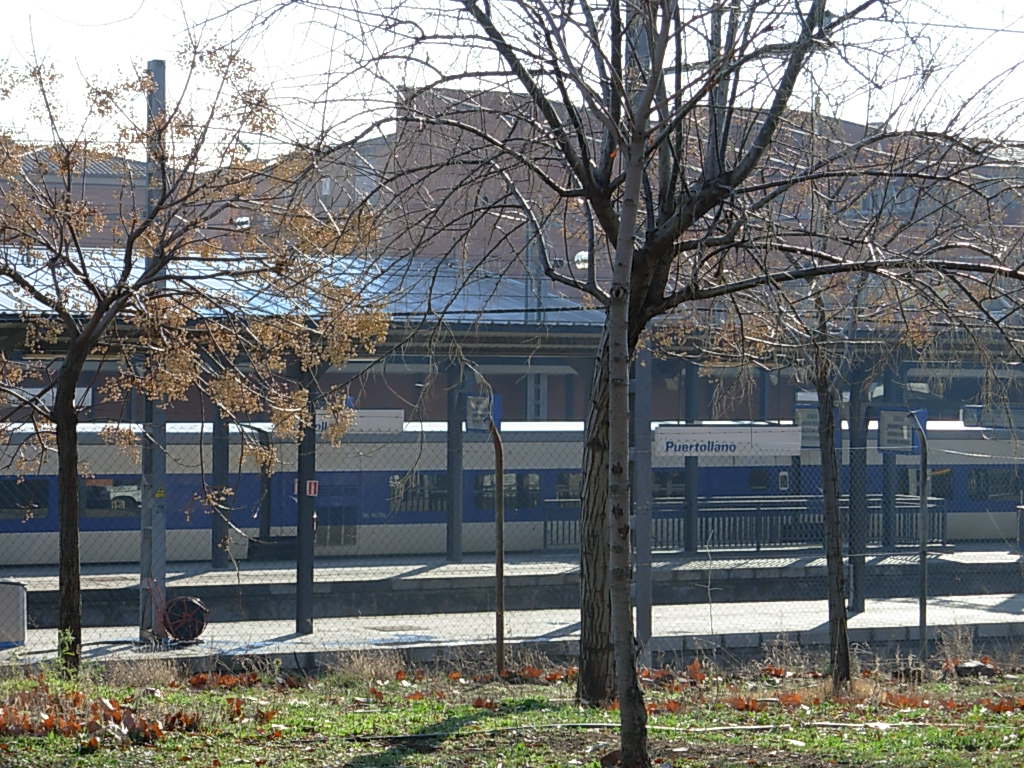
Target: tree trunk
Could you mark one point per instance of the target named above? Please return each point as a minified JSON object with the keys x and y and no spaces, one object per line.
{"x":839,"y":649}
{"x":632,"y":713}
{"x":69,"y":625}
{"x":596,"y":683}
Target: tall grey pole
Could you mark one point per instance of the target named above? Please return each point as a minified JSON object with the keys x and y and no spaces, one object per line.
{"x":764,"y":382}
{"x":499,"y":549}
{"x":153,"y":518}
{"x":266,"y":492}
{"x":922,"y":539}
{"x":219,"y":524}
{"x":857,"y":505}
{"x":888,"y":473}
{"x":690,"y":464}
{"x":306,"y":473}
{"x":456,"y":407}
{"x":642,"y":501}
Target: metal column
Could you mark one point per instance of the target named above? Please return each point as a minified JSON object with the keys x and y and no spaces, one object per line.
{"x":306,"y":473}
{"x":858,"y":491}
{"x":153,"y":513}
{"x":219,"y":528}
{"x":690,"y":519}
{"x":266,"y":492}
{"x":456,"y":415}
{"x":888,"y":474}
{"x":764,"y":381}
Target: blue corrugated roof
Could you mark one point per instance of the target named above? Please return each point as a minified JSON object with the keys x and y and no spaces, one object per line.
{"x":410,"y":288}
{"x":460,"y":292}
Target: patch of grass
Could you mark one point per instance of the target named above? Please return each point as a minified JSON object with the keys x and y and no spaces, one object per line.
{"x":373,"y":713}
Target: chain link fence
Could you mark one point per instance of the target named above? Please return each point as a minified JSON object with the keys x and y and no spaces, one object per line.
{"x":737,"y":557}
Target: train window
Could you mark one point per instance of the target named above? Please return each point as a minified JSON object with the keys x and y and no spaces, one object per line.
{"x":760,"y":479}
{"x":417,"y":492}
{"x":484,"y":495}
{"x":105,"y":497}
{"x":996,"y":483}
{"x":529,"y":489}
{"x":669,"y":483}
{"x":24,"y":498}
{"x":336,"y":526}
{"x":942,"y":482}
{"x":568,"y":486}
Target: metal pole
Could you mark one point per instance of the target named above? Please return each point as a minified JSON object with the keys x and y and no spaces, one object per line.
{"x":642,"y":501}
{"x":306,"y":473}
{"x":888,"y":474}
{"x":690,"y":464}
{"x":219,"y":528}
{"x":266,"y":492}
{"x":922,"y":537}
{"x":499,"y":549}
{"x":456,"y":408}
{"x":858,"y":492}
{"x":762,"y":404}
{"x":153,"y":518}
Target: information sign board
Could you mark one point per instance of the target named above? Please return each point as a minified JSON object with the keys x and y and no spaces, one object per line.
{"x":808,"y":419}
{"x":898,"y":431}
{"x":481,"y":410}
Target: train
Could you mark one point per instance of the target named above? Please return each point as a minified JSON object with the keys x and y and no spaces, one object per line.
{"x":386,"y":493}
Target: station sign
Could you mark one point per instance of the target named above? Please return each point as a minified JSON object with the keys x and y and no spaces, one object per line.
{"x":807,"y":415}
{"x":808,"y":420}
{"x":481,"y":410}
{"x":721,"y":440}
{"x":898,"y":429}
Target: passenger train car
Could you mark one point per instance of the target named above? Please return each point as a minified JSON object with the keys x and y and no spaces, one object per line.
{"x":386,"y":493}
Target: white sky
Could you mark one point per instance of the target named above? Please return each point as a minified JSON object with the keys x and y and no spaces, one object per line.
{"x":102,"y":38}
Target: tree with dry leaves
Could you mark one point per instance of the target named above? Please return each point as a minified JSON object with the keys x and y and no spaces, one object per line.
{"x":202,"y":268}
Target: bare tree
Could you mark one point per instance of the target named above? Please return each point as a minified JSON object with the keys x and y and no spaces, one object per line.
{"x":661,"y":138}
